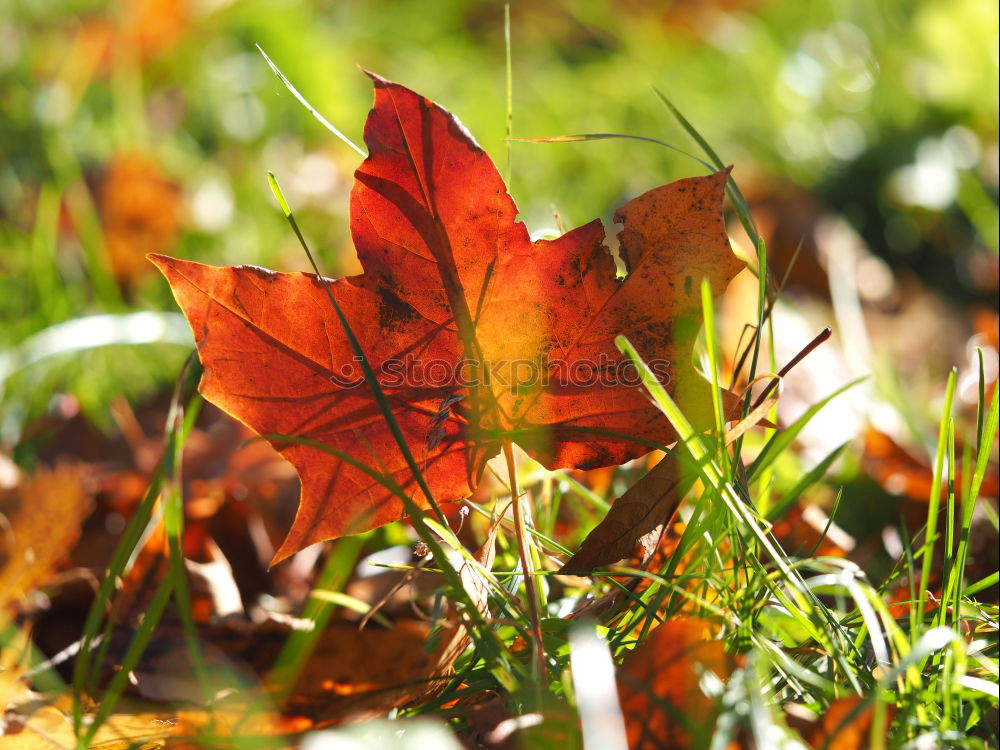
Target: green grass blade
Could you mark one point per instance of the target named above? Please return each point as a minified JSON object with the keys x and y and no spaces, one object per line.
{"x":740,"y":203}
{"x":805,"y":601}
{"x":829,"y":522}
{"x":582,"y":137}
{"x":711,"y":343}
{"x":763,"y":311}
{"x":957,"y":579}
{"x":982,"y":584}
{"x":173,"y":520}
{"x":990,"y":425}
{"x":86,"y":667}
{"x":808,"y":480}
{"x":34,"y":663}
{"x":340,"y":599}
{"x":79,"y":204}
{"x":988,"y":422}
{"x":781,"y":440}
{"x":949,"y":530}
{"x":583,"y":491}
{"x":84,"y":662}
{"x":510,"y":95}
{"x":981,"y":402}
{"x":136,"y":647}
{"x":311,"y":109}
{"x":930,"y":535}
{"x":691,"y":130}
{"x":50,"y":288}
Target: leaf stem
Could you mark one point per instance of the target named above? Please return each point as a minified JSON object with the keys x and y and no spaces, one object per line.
{"x":538,"y":649}
{"x":806,"y":350}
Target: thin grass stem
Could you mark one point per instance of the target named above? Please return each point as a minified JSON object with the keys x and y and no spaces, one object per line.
{"x":530,"y":589}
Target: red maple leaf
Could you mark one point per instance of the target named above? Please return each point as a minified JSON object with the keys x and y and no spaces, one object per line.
{"x":476,"y":333}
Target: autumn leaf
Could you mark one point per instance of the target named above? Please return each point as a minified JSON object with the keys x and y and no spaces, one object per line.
{"x":659,"y":685}
{"x":641,"y":511}
{"x":145,"y":28}
{"x":806,"y":531}
{"x":637,"y":518}
{"x":846,"y":724}
{"x":901,"y":473}
{"x":34,"y":546}
{"x":49,"y":727}
{"x":476,"y":334}
{"x":140,"y":213}
{"x":372,"y":670}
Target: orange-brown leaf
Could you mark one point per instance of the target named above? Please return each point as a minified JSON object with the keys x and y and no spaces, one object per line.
{"x":476,"y":333}
{"x":34,"y":544}
{"x":363,"y":672}
{"x":140,"y":213}
{"x":373,"y":670}
{"x":901,"y":473}
{"x":658,"y":685}
{"x":844,"y":725}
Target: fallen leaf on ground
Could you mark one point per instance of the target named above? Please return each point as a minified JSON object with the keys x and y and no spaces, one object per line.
{"x":806,"y":531}
{"x":355,"y":673}
{"x":476,"y":333}
{"x":659,"y":686}
{"x":902,"y":473}
{"x":642,"y":510}
{"x":145,"y":29}
{"x":48,"y":728}
{"x":32,"y":545}
{"x":844,"y":725}
{"x":362,"y":673}
{"x":140,"y":213}
{"x":234,"y":729}
{"x":484,"y":712}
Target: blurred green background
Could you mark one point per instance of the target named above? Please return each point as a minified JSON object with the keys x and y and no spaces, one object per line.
{"x":142,"y":126}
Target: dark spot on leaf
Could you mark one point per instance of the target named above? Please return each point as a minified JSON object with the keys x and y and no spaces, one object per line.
{"x":394,"y":314}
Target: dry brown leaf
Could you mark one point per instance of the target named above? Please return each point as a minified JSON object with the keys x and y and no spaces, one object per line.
{"x":642,"y":510}
{"x":662,"y":701}
{"x":649,"y":554}
{"x":806,"y":531}
{"x":197,"y":730}
{"x":484,"y":713}
{"x":355,"y":673}
{"x":638,"y":516}
{"x":144,"y":28}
